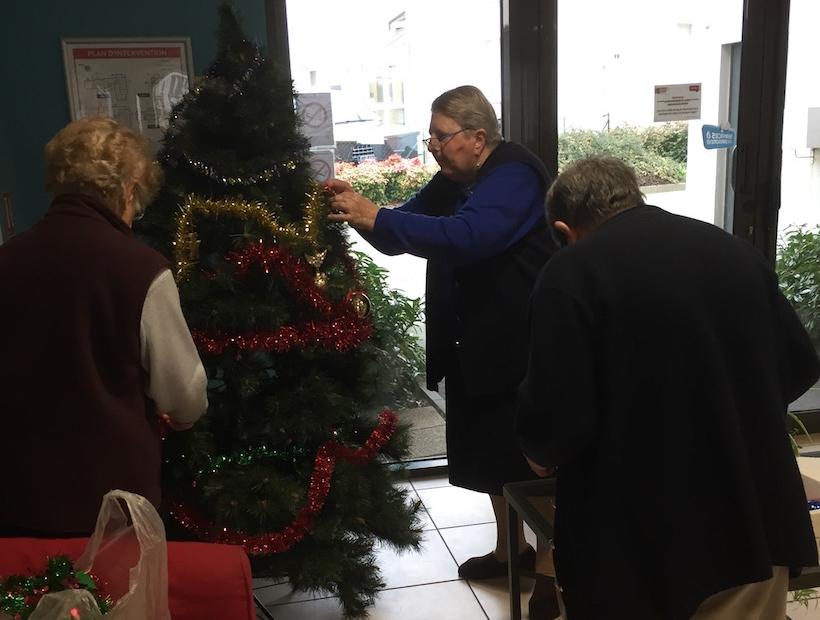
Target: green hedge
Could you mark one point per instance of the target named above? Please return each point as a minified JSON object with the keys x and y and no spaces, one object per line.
{"x":669,"y":140}
{"x":798,"y":268}
{"x":658,"y":154}
{"x":387,"y":182}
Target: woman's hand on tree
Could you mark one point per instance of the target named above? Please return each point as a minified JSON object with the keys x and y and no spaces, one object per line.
{"x":351,"y":207}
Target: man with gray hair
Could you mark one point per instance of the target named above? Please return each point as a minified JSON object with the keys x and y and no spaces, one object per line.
{"x":662,"y":360}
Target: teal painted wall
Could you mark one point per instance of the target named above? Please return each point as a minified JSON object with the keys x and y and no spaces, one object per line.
{"x":33,"y":99}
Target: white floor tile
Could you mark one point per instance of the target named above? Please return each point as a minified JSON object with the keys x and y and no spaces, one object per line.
{"x":469,"y":541}
{"x":452,"y":600}
{"x":430,"y":482}
{"x":494,"y":597}
{"x":263,"y":582}
{"x":317,"y":609}
{"x":796,"y":611}
{"x":282,"y":593}
{"x":454,"y":506}
{"x":432,"y":564}
{"x":426,"y":521}
{"x":424,"y":516}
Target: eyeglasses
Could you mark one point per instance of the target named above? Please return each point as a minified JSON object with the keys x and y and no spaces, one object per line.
{"x":442,"y":139}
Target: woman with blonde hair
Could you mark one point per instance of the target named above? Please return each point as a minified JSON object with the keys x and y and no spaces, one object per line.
{"x":480,"y":224}
{"x":99,"y":158}
{"x":100,"y":351}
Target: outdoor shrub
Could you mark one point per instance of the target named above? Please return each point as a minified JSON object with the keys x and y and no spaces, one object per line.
{"x":388,"y":182}
{"x":627,"y":144}
{"x":798,"y":267}
{"x":399,"y":352}
{"x":670,"y":140}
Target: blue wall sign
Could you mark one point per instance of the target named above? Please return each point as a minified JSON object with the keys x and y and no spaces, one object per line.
{"x":716,"y":138}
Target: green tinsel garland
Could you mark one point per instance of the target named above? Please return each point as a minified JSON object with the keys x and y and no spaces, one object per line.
{"x":20,"y":594}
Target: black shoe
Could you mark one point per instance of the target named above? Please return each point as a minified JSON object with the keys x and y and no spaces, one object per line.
{"x":487,"y":566}
{"x":544,"y":599}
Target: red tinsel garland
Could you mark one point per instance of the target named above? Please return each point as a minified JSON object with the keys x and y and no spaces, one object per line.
{"x":296,"y":274}
{"x":341,"y":334}
{"x":324,"y":464}
{"x":342,"y":331}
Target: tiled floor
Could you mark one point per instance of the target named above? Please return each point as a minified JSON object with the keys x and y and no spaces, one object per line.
{"x":458,"y":524}
{"x":810,"y":611}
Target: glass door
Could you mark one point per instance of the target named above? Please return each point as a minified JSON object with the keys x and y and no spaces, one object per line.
{"x":798,"y":227}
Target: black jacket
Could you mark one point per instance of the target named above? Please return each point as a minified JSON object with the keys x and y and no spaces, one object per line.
{"x":663,"y":358}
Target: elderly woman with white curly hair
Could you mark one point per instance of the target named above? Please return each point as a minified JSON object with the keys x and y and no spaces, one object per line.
{"x":99,"y":351}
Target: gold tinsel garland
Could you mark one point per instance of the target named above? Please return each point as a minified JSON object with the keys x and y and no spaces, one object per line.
{"x":186,"y":243}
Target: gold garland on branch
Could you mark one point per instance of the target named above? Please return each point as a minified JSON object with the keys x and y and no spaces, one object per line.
{"x":186,"y":243}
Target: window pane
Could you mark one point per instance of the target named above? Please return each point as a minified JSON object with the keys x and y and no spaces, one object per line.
{"x":611,"y":58}
{"x":798,"y":259}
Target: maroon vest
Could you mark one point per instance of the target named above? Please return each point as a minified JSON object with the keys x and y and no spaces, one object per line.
{"x":73,"y":412}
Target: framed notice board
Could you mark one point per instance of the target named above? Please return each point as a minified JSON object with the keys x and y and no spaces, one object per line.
{"x":135,"y":81}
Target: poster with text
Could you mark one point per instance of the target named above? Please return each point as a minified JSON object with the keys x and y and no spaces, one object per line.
{"x":134,"y":81}
{"x":677,"y":102}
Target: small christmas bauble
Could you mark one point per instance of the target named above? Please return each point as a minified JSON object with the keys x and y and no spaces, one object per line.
{"x":361,"y":304}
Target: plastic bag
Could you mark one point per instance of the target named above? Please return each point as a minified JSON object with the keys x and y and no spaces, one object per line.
{"x":68,"y":605}
{"x":129,"y":556}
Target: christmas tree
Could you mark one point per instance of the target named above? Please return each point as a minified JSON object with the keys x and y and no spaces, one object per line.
{"x":291,"y":459}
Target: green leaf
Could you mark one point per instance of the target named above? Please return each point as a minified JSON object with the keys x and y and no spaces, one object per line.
{"x":85,"y":580}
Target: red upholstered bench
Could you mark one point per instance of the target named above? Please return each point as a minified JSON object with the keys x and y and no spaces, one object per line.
{"x":204,"y":580}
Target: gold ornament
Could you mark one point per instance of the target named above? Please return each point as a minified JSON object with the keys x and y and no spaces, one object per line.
{"x":361,"y":304}
{"x":316,"y":260}
{"x":320,"y":280}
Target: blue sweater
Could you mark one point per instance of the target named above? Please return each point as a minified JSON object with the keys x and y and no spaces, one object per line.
{"x":485,"y":245}
{"x":490,"y":217}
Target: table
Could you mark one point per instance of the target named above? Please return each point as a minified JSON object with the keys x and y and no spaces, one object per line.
{"x":517,"y":495}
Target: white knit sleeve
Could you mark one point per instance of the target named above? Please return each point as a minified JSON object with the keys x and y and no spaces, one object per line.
{"x":176,"y":378}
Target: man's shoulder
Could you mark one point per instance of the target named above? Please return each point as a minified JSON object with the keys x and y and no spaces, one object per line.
{"x":564,"y":267}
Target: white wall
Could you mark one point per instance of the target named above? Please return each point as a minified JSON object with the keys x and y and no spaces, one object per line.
{"x":800,"y":195}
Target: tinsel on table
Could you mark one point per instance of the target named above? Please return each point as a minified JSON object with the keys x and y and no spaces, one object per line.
{"x":20,"y":594}
{"x":328,"y":454}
